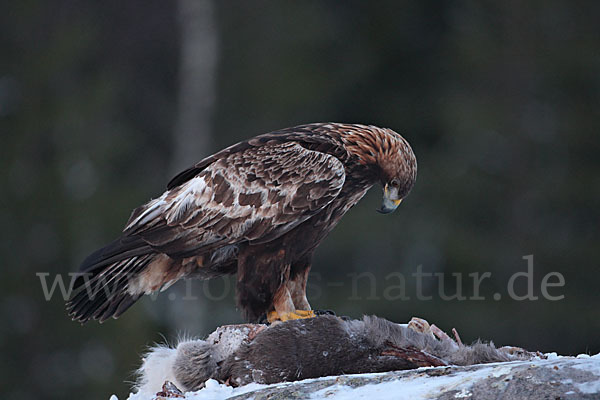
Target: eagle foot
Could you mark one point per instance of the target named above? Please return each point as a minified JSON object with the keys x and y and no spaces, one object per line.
{"x":274,"y":316}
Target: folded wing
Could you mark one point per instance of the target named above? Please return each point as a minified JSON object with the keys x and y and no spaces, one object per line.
{"x":254,"y":195}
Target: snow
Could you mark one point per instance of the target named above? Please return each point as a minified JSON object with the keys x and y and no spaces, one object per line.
{"x":412,"y":387}
{"x":594,"y":368}
{"x":213,"y":390}
{"x":407,"y":386}
{"x":589,"y":387}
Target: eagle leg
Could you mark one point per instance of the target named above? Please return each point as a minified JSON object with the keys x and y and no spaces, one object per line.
{"x":285,"y":309}
{"x":296,"y":286}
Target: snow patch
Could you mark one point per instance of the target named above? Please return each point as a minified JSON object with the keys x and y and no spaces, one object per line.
{"x":594,"y":368}
{"x":464,"y":393}
{"x":589,"y":387}
{"x":213,"y":390}
{"x":418,"y":386}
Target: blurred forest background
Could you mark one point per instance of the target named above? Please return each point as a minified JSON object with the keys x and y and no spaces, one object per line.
{"x":102,"y":102}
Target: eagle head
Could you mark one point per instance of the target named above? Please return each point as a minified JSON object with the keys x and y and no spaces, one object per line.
{"x":389,"y":155}
{"x":398,"y":171}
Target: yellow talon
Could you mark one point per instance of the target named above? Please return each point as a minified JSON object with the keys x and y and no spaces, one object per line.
{"x":273,"y":316}
{"x":304,"y":314}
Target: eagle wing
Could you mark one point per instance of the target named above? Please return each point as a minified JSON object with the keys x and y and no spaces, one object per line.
{"x":255,"y":195}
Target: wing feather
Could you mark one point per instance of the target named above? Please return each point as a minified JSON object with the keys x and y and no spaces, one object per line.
{"x":256,"y":194}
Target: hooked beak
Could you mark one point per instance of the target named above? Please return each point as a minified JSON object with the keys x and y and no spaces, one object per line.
{"x":389,"y":204}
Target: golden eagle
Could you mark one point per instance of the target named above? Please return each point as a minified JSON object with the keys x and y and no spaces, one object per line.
{"x":258,"y":208}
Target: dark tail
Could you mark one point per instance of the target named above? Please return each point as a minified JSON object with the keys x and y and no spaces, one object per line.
{"x":100,"y":292}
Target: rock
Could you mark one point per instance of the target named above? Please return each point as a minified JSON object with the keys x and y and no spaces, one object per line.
{"x":553,"y":378}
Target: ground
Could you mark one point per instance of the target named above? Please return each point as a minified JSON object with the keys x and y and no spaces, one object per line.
{"x":553,"y":378}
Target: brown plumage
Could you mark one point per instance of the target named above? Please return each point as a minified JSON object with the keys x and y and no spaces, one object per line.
{"x":258,"y":208}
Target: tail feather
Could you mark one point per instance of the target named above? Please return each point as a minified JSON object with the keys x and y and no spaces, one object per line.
{"x":101,"y":291}
{"x":121,"y":249}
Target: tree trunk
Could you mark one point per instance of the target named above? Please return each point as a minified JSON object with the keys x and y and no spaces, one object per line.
{"x":197,"y":81}
{"x":192,"y":136}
